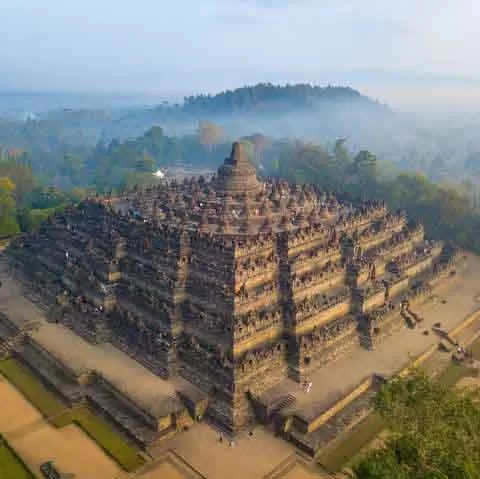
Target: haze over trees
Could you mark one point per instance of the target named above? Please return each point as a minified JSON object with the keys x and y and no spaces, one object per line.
{"x":444,"y":148}
{"x":74,"y":151}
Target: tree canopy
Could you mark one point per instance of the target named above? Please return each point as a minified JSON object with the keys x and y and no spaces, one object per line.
{"x":434,"y":432}
{"x":8,"y":223}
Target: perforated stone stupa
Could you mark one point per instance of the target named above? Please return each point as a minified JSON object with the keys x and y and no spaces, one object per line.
{"x":234,"y":284}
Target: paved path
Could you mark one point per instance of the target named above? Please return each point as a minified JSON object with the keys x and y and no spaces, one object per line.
{"x":250,"y":457}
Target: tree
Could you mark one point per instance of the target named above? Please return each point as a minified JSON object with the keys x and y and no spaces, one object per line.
{"x":366,"y":164}
{"x":365,"y":167}
{"x":8,"y":222}
{"x":72,"y":168}
{"x":154,"y":141}
{"x":259,"y":143}
{"x":210,"y":135}
{"x":145,"y":163}
{"x":20,"y":173}
{"x":434,"y":432}
{"x":340,"y":152}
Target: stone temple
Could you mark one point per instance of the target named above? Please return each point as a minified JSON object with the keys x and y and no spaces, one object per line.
{"x":235,"y":285}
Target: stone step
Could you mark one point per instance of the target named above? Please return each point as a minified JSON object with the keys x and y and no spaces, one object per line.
{"x":4,"y":350}
{"x":156,"y":367}
{"x":123,"y":416}
{"x":332,"y":421}
{"x":288,"y":401}
{"x":51,"y":374}
{"x":344,"y":420}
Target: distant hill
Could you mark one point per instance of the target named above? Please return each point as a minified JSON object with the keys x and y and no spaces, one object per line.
{"x":301,"y":110}
{"x":233,"y":109}
{"x":310,"y":113}
{"x":266,"y":96}
{"x":280,"y":111}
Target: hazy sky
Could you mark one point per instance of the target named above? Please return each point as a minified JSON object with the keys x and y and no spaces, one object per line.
{"x":407,"y":52}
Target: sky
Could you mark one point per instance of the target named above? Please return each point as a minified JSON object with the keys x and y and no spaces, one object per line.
{"x":412,"y":54}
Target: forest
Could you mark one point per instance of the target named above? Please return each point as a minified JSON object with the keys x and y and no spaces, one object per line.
{"x":30,"y":187}
{"x":444,"y":147}
{"x":59,"y":156}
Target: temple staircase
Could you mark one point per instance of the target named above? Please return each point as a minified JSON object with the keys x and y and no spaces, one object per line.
{"x":114,"y":409}
{"x":51,"y":373}
{"x":268,"y":406}
{"x":313,"y":431}
{"x":8,"y":345}
{"x":288,"y":401}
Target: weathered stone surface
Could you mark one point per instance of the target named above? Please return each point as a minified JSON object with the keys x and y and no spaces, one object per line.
{"x":233,"y":284}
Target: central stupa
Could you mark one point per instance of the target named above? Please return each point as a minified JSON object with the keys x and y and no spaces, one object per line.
{"x":237,"y":175}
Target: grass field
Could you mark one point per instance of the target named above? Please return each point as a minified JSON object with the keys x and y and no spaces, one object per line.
{"x":52,"y":408}
{"x":24,"y":380}
{"x":335,"y":458}
{"x":126,"y":455}
{"x":11,"y":466}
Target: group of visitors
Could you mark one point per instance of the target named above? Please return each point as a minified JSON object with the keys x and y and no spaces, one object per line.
{"x":231,"y":441}
{"x":307,"y":386}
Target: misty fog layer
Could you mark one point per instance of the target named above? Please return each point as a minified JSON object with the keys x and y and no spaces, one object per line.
{"x":442,"y":145}
{"x":445,"y":146}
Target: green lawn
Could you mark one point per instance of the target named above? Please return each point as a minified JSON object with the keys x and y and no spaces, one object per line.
{"x":60,"y":415}
{"x":33,"y":390}
{"x":335,"y":458}
{"x":127,"y":456}
{"x":11,"y":466}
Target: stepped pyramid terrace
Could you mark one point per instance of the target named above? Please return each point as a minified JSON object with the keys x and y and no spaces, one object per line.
{"x":231,"y":297}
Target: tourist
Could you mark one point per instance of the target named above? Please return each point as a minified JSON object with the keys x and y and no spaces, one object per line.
{"x":220,"y":436}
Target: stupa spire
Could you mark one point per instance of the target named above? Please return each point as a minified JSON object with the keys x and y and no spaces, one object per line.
{"x":237,"y":175}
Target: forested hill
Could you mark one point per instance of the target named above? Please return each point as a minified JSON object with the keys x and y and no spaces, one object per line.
{"x":290,"y":111}
{"x":266,"y":96}
{"x":443,"y":148}
{"x":303,"y":110}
